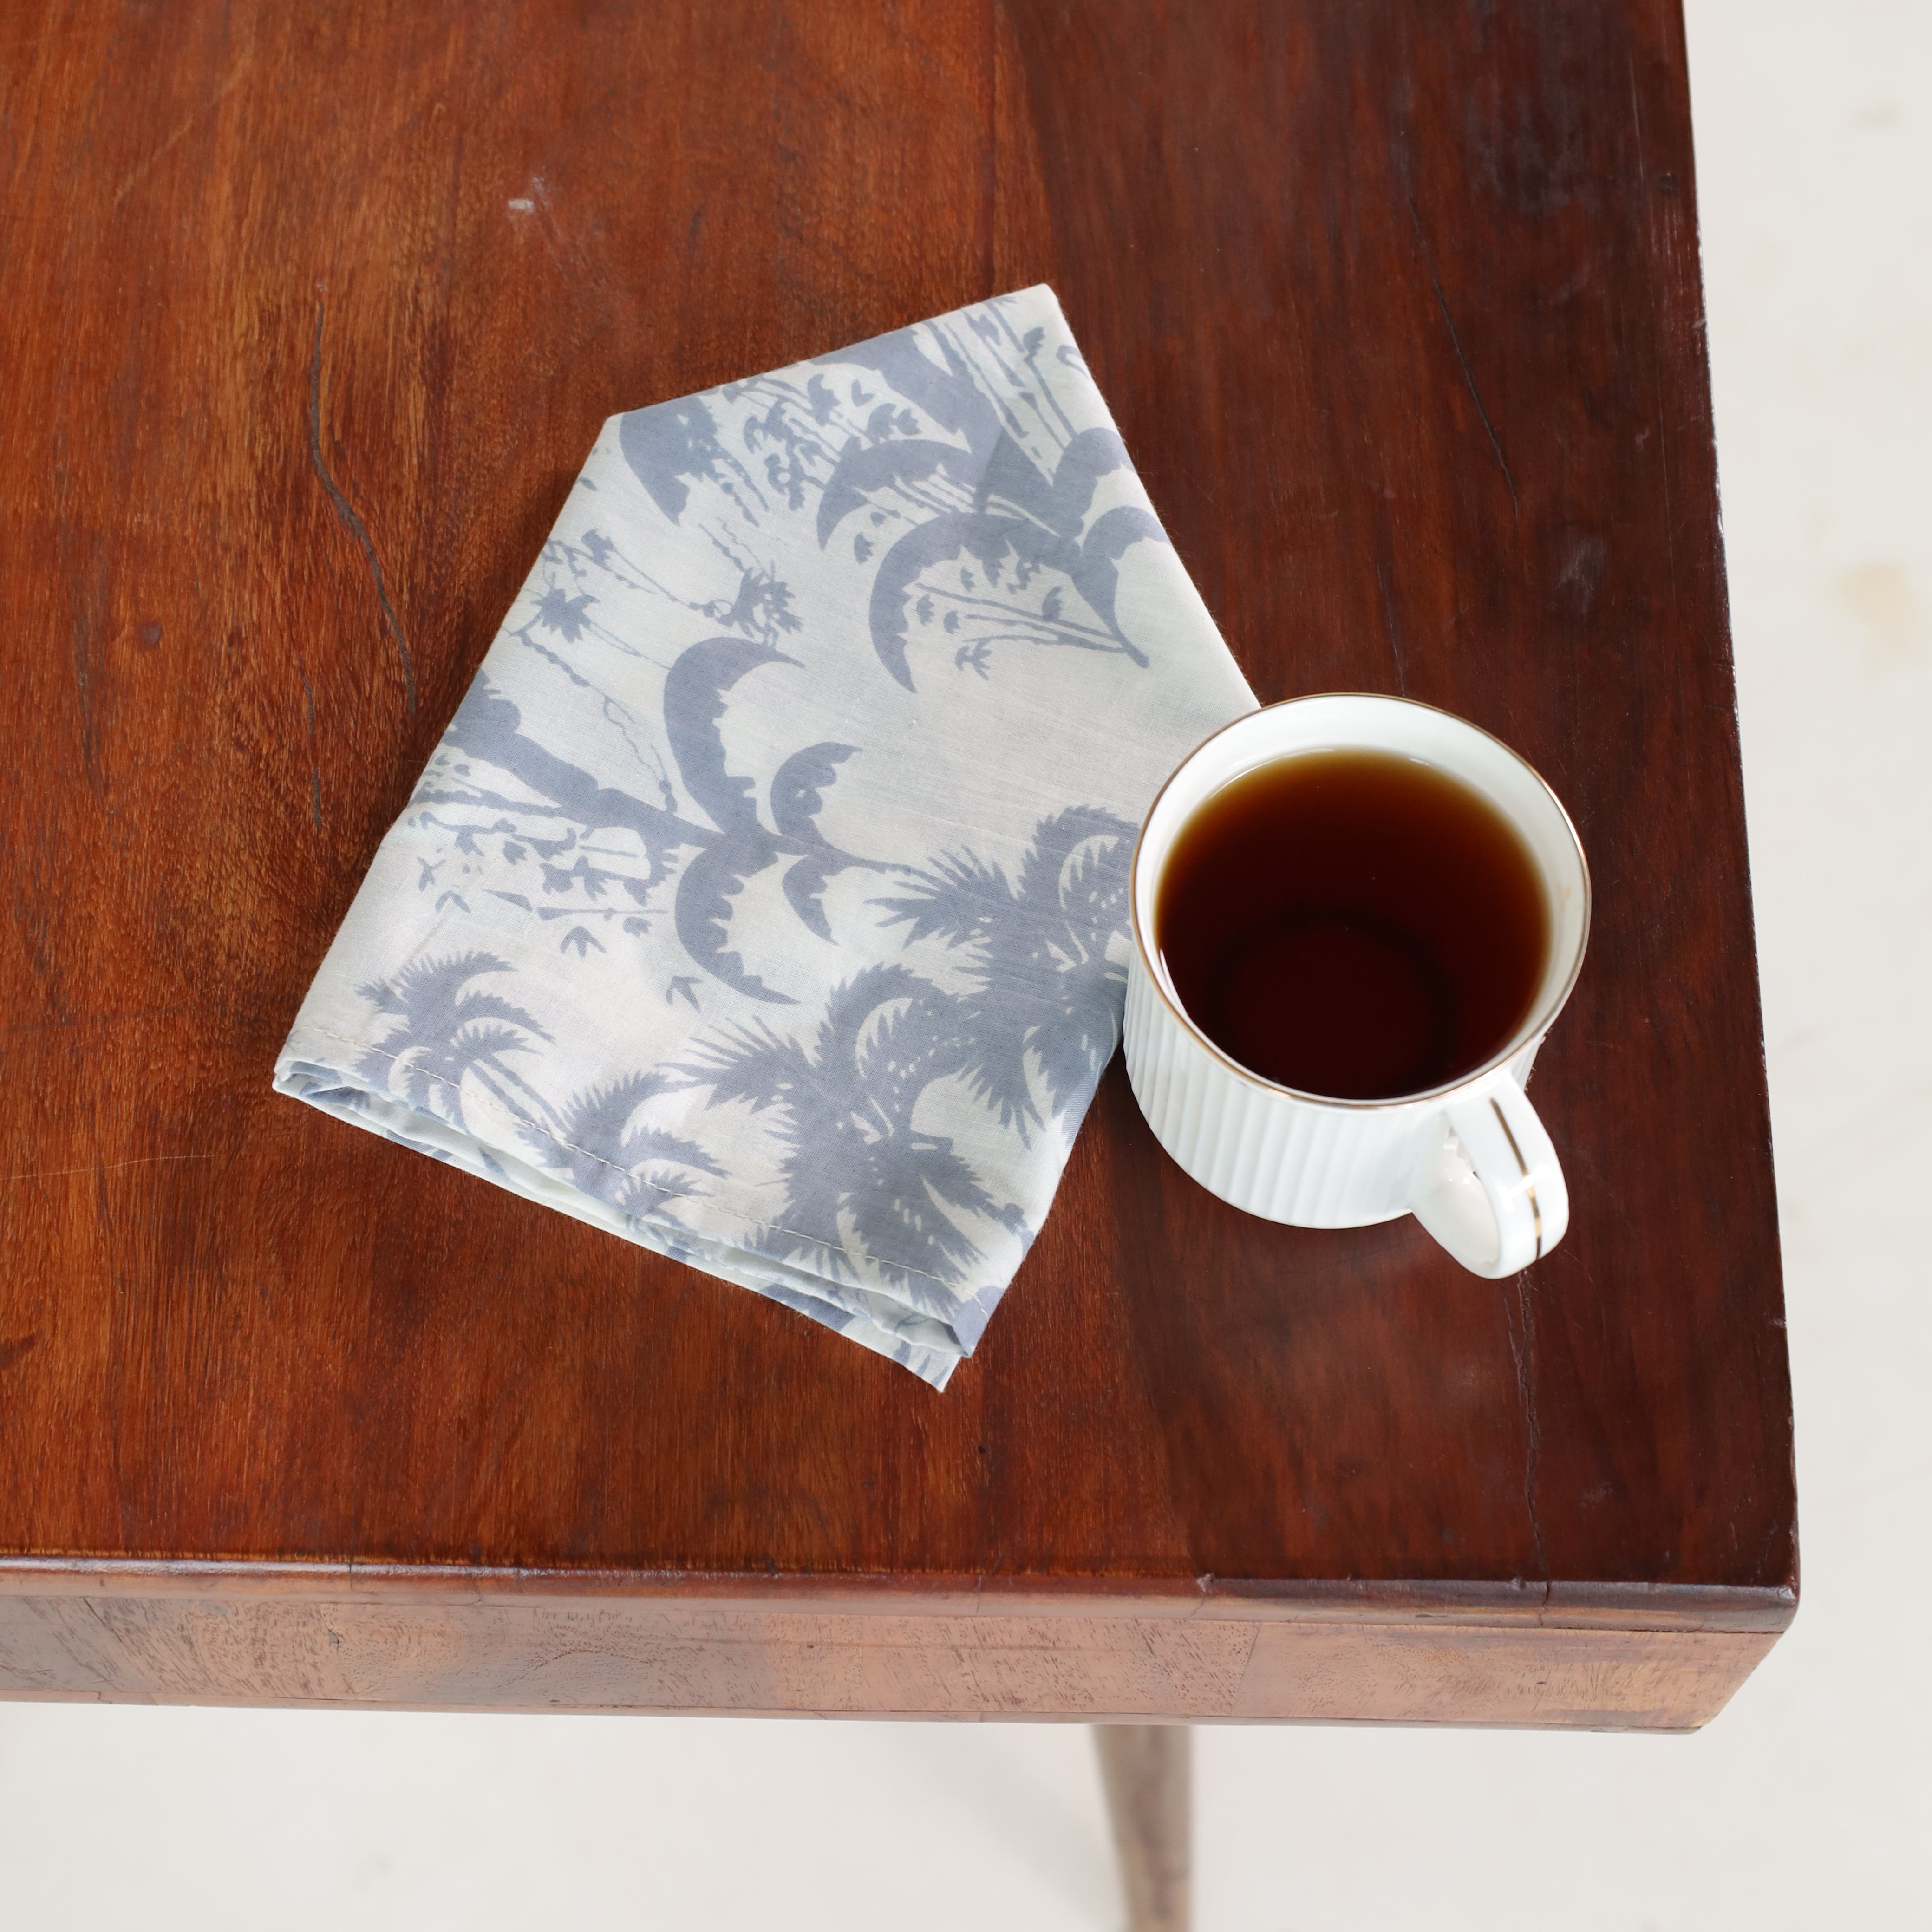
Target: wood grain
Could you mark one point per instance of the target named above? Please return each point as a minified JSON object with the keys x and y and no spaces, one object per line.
{"x":314,"y":316}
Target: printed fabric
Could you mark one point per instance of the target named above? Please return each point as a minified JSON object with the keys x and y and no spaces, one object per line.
{"x":765,"y":901}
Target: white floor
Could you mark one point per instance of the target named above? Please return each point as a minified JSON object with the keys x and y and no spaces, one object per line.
{"x":1796,"y":1809}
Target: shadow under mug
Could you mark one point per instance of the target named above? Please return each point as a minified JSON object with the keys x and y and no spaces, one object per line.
{"x":1470,"y":1159}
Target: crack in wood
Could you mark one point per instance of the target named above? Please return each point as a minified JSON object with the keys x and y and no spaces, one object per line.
{"x":351,"y":521}
{"x":1462,"y":361}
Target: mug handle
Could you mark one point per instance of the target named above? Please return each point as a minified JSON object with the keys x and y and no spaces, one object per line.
{"x":1488,"y":1187}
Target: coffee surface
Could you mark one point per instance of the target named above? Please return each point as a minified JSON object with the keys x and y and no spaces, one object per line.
{"x":1353,"y":924}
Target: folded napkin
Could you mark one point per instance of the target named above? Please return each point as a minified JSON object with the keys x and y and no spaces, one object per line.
{"x":765,"y":902}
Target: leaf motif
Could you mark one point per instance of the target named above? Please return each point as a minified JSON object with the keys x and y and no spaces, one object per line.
{"x":473,"y":1007}
{"x":947,"y":394}
{"x":1061,"y":504}
{"x":1045,"y":986}
{"x":804,"y":887}
{"x":939,"y":541}
{"x":559,"y":611}
{"x":863,"y":468}
{"x":854,"y":1156}
{"x":1012,"y":476}
{"x":702,"y":912}
{"x":750,"y":1064}
{"x":1091,"y":455}
{"x":430,"y":994}
{"x":1095,"y":572}
{"x":488,"y":726}
{"x":485,"y":1041}
{"x":694,"y":703}
{"x":601,"y":1150}
{"x":953,"y":900}
{"x":798,"y":786}
{"x":762,"y":606}
{"x":446,"y":1032}
{"x":1055,"y":841}
{"x":898,"y":1210}
{"x":664,"y":444}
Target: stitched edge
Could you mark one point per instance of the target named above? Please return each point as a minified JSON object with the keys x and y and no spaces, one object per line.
{"x":703,"y":1200}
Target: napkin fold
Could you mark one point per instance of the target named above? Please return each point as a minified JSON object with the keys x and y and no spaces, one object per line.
{"x":765,"y":901}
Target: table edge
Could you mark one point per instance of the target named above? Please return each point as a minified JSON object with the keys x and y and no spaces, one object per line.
{"x":1517,"y":1602}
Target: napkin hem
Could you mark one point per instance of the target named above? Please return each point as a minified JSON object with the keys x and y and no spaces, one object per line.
{"x":706,"y":1200}
{"x":880,"y":1324}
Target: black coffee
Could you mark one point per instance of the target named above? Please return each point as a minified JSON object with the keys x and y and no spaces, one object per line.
{"x":1353,"y":924}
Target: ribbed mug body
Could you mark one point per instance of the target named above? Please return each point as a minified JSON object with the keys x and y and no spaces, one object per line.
{"x":1311,"y":1162}
{"x":1302,"y":1158}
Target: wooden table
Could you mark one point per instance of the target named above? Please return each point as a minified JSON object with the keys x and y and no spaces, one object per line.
{"x":312,"y":315}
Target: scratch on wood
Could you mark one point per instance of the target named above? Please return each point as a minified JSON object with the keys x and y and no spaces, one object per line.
{"x":1395,"y":642}
{"x":1456,"y":344}
{"x":351,"y":521}
{"x":141,"y":170}
{"x":99,"y":1167}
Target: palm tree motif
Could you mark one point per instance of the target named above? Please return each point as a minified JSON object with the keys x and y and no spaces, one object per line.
{"x":860,"y":1179}
{"x":694,"y":706}
{"x":1045,"y":985}
{"x":712,"y":861}
{"x":990,"y":504}
{"x":988,"y":542}
{"x":986,"y":517}
{"x":446,"y":1033}
{"x":606,"y":1152}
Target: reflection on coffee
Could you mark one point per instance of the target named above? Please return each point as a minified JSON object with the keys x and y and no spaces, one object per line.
{"x":1353,"y":924}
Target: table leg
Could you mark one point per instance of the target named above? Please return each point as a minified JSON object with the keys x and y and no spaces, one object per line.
{"x":1147,"y":1769}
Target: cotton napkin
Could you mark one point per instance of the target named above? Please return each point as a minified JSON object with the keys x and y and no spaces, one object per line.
{"x":765,"y":902}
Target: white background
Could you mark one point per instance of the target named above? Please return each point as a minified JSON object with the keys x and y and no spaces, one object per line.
{"x":1808,"y":1804}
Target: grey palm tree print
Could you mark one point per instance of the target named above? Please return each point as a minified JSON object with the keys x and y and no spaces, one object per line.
{"x":438,"y":1029}
{"x":852,"y":1151}
{"x":765,"y":902}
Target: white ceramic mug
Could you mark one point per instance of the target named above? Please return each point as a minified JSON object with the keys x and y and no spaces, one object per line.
{"x":1470,"y":1160}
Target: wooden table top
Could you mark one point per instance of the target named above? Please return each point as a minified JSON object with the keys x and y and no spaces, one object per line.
{"x":313,"y":319}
